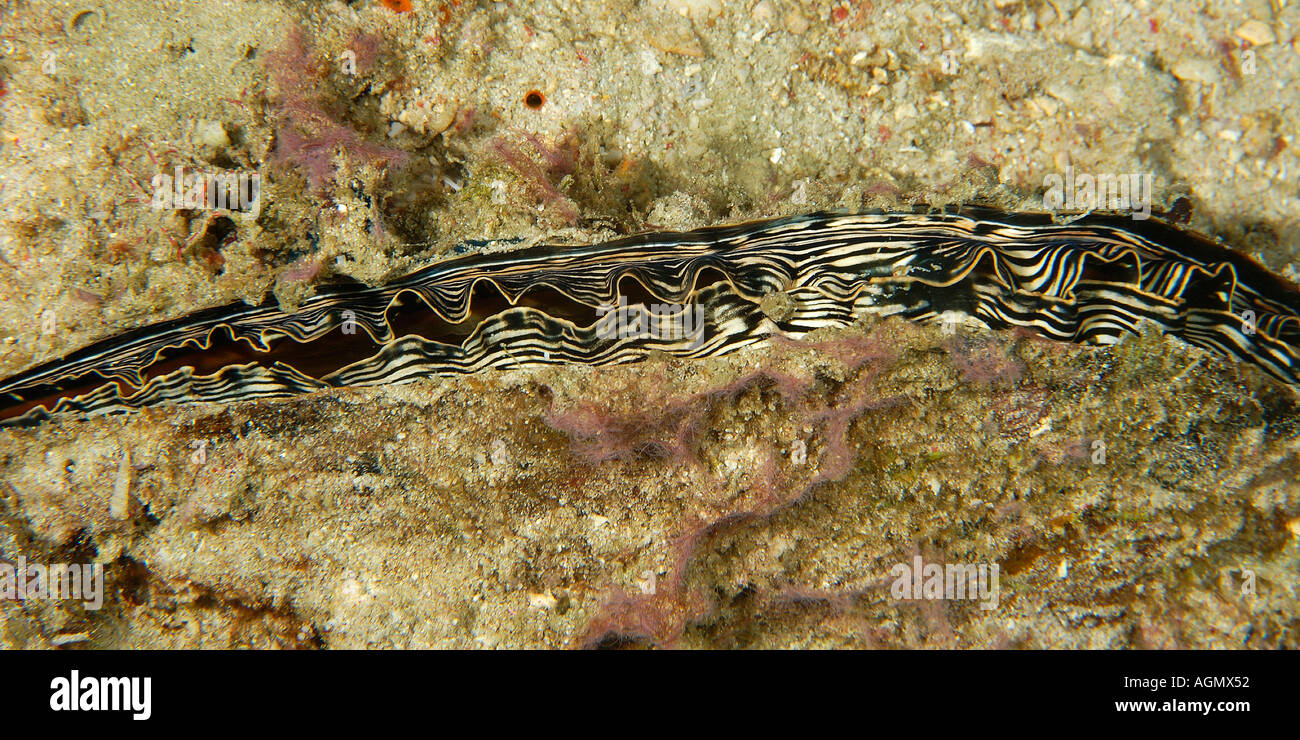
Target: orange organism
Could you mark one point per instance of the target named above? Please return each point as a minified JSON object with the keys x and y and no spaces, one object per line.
{"x":398,"y":6}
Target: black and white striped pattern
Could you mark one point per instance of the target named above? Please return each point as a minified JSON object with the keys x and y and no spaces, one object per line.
{"x":1087,"y":281}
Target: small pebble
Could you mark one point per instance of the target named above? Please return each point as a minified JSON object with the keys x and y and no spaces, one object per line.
{"x":1256,"y":32}
{"x":542,"y":601}
{"x":1195,"y":70}
{"x":213,"y":134}
{"x":649,"y":63}
{"x":500,"y":454}
{"x":119,"y":503}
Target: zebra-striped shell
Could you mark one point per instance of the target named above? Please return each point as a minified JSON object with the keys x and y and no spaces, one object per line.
{"x":692,"y":294}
